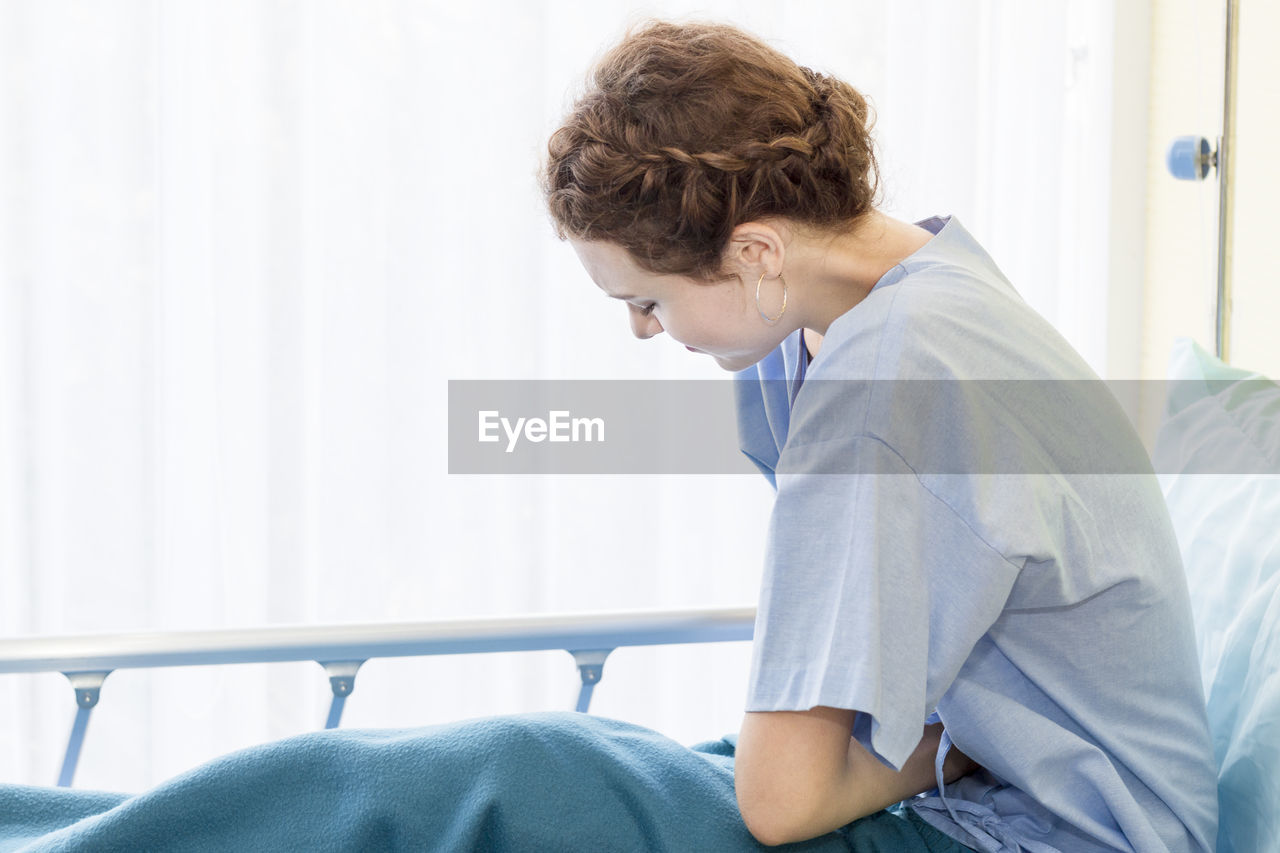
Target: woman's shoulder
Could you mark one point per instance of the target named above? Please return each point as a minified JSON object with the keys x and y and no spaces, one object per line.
{"x":946,"y":312}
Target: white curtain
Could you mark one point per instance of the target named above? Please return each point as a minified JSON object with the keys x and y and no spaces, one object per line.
{"x":243,"y":247}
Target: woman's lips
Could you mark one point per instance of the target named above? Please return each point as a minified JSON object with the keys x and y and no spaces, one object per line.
{"x":691,"y":349}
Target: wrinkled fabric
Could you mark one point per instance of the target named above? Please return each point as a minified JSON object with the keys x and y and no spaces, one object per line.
{"x":1224,"y":419}
{"x":532,"y":782}
{"x":962,"y":553}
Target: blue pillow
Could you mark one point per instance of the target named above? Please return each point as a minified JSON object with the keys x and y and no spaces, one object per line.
{"x":1218,"y":452}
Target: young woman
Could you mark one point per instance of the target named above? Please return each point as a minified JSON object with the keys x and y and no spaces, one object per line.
{"x":957,"y":594}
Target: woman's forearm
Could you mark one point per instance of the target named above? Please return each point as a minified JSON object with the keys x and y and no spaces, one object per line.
{"x":807,"y":795}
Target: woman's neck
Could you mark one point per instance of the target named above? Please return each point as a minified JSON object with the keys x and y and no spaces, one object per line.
{"x":834,"y":273}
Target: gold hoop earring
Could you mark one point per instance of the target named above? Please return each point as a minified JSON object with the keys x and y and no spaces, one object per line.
{"x":763,"y":316}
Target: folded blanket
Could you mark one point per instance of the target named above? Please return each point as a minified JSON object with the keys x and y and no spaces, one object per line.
{"x":550,"y":781}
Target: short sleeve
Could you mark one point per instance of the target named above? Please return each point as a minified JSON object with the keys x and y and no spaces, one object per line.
{"x":874,"y":594}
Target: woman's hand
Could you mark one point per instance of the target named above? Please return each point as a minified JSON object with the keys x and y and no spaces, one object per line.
{"x":918,"y":773}
{"x":957,"y":765}
{"x":920,"y":766}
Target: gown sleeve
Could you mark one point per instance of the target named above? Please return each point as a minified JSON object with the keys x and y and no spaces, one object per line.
{"x":875,"y":592}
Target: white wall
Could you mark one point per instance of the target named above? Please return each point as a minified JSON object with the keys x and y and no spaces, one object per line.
{"x":1256,"y":318}
{"x":1181,"y":248}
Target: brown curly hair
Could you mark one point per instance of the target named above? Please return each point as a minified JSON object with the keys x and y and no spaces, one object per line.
{"x":687,"y":130}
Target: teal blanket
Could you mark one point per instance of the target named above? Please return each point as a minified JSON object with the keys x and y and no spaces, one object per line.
{"x":551,"y":781}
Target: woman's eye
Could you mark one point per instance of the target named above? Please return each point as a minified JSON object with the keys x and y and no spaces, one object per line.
{"x":648,"y":309}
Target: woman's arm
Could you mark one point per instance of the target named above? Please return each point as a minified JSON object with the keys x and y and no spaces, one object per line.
{"x":798,"y":774}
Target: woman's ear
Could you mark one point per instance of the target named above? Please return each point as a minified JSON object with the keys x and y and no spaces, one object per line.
{"x":757,"y":247}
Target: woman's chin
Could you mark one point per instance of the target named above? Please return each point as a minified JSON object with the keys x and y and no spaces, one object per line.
{"x":734,"y":363}
{"x":731,"y":363}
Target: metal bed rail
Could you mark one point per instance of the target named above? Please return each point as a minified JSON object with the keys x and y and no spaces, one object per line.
{"x":87,"y":660}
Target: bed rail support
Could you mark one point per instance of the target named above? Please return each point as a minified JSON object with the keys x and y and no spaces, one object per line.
{"x":88,"y":687}
{"x":342,"y":681}
{"x":591,"y":668}
{"x":342,"y":649}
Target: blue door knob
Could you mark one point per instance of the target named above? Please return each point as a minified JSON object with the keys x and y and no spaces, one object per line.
{"x":1190,"y":158}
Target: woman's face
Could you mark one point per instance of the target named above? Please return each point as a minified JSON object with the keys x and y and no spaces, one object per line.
{"x":718,"y":319}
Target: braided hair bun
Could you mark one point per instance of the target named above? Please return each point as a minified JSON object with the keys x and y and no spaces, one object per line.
{"x":687,"y":130}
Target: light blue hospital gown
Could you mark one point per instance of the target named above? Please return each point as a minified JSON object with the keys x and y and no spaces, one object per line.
{"x":956,"y":549}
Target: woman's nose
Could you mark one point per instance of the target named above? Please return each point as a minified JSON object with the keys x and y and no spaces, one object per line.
{"x":644,"y":326}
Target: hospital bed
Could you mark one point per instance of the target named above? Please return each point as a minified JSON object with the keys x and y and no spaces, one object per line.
{"x":341,"y":650}
{"x":461,"y":786}
{"x":1218,"y":458}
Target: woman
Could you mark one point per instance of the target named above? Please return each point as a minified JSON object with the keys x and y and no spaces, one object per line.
{"x":942,"y":553}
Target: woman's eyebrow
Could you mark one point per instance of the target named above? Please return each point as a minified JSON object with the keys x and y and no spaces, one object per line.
{"x":621,"y":296}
